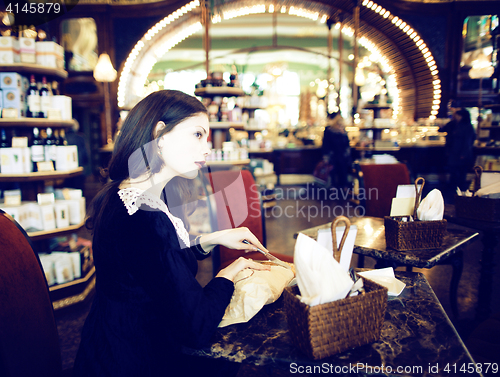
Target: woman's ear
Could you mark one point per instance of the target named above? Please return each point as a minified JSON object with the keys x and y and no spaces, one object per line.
{"x":159,"y":126}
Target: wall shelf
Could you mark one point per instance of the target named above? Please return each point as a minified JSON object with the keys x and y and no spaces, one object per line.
{"x":35,"y":69}
{"x":219,"y":91}
{"x":41,"y":175}
{"x":36,"y":122}
{"x":227,"y":125}
{"x":42,"y":234}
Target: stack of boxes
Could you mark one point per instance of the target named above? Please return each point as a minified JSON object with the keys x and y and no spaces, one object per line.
{"x":13,"y":87}
{"x":17,"y":159}
{"x":28,"y":51}
{"x":56,"y":210}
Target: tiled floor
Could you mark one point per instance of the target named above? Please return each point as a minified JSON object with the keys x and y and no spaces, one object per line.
{"x":299,"y":209}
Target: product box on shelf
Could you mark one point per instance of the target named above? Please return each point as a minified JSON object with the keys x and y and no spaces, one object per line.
{"x":9,"y":50}
{"x":15,"y":160}
{"x":27,"y":214}
{"x":49,"y":54}
{"x":62,"y":214}
{"x":14,"y":103}
{"x":15,"y":211}
{"x":33,"y":217}
{"x":27,"y":50}
{"x":76,"y":209}
{"x":61,"y":267}
{"x":12,"y":197}
{"x":60,"y":108}
{"x":47,"y":263}
{"x":13,"y":80}
{"x":66,"y":157}
{"x":48,"y":216}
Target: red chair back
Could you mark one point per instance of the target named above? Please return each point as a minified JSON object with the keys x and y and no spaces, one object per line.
{"x":29,"y":342}
{"x":237,"y":204}
{"x":380,"y":185}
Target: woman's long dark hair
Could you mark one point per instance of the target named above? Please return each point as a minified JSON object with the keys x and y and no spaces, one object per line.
{"x":139,"y":128}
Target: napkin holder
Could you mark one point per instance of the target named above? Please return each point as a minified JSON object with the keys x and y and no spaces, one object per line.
{"x":475,"y":207}
{"x":326,"y":329}
{"x":410,"y":235}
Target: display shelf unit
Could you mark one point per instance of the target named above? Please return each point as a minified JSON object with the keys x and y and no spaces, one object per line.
{"x":220,"y":130}
{"x":31,"y":184}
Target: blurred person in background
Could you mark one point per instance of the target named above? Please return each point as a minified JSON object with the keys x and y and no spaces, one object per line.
{"x":337,"y":152}
{"x":460,"y":137}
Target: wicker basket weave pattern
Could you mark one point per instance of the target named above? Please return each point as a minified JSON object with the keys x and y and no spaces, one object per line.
{"x":477,"y":208}
{"x":324,"y":330}
{"x":411,"y":235}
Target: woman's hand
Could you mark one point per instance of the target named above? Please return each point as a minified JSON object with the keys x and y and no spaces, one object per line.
{"x":233,"y":239}
{"x":240,"y":264}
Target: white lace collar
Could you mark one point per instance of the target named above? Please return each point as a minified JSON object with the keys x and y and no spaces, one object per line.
{"x":133,"y":198}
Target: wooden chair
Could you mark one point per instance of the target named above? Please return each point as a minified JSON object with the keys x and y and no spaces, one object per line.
{"x":380,"y":183}
{"x":29,"y":342}
{"x":235,"y":201}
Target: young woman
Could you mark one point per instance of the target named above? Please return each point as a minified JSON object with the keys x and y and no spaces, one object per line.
{"x":148,"y":303}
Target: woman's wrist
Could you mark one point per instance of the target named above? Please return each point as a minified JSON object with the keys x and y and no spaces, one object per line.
{"x":205,"y":242}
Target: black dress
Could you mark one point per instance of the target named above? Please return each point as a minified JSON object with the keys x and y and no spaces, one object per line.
{"x":148,"y":302}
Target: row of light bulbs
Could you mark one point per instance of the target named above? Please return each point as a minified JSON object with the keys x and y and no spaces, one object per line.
{"x":148,"y":64}
{"x":431,"y":63}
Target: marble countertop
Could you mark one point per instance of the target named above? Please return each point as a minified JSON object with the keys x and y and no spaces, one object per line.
{"x":370,"y":241}
{"x":417,"y":339}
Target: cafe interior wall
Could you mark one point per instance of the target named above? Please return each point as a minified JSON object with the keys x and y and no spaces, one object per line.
{"x":418,"y":79}
{"x":122,"y":24}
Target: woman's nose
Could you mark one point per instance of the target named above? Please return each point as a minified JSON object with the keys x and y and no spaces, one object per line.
{"x":206,"y":149}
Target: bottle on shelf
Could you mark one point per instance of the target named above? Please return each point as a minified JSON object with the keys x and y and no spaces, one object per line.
{"x":33,"y":99}
{"x":57,"y":140}
{"x":45,"y":100}
{"x":37,"y":149}
{"x":50,"y":147}
{"x":62,"y":137}
{"x":4,"y":141}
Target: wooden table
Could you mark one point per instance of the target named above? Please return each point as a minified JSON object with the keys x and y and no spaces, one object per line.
{"x":417,"y":339}
{"x":370,"y":241}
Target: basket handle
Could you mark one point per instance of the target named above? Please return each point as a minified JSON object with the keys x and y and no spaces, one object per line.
{"x":336,"y":253}
{"x":417,"y":195}
{"x":477,"y":179}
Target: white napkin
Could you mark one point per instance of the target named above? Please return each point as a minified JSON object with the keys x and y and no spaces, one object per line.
{"x":490,"y":191}
{"x":432,"y":207}
{"x":386,"y":278}
{"x":320,"y":277}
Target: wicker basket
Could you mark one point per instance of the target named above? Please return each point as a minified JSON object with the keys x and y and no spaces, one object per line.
{"x":324,"y":330}
{"x":475,"y":207}
{"x":410,"y":235}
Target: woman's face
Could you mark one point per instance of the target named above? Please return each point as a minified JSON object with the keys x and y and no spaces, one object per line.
{"x":185,"y":148}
